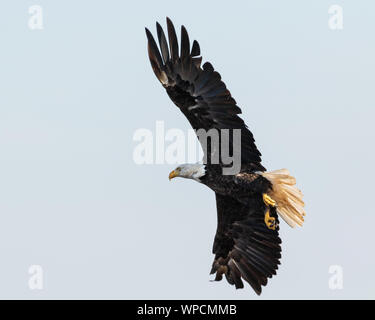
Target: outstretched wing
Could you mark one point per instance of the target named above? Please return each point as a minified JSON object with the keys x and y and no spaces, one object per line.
{"x":198,"y":91}
{"x":244,"y":247}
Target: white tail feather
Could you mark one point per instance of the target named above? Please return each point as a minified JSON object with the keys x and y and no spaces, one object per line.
{"x":288,"y":197}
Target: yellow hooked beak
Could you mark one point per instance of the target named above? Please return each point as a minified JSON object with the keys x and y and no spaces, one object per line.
{"x":174,"y":174}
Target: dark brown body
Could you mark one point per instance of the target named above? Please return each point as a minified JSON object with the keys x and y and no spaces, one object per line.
{"x":240,"y":186}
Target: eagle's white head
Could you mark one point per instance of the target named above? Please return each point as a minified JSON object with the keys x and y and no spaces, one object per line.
{"x":189,"y":171}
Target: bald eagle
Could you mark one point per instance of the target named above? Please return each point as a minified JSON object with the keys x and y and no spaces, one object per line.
{"x":247,"y":244}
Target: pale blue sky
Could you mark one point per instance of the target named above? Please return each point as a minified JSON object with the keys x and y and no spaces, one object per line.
{"x":72,"y":95}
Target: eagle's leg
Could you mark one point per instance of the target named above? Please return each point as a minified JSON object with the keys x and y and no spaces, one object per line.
{"x":268,"y":200}
{"x":268,"y":220}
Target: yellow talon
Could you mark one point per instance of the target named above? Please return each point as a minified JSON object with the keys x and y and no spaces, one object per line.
{"x":268,"y":200}
{"x":269,"y":221}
